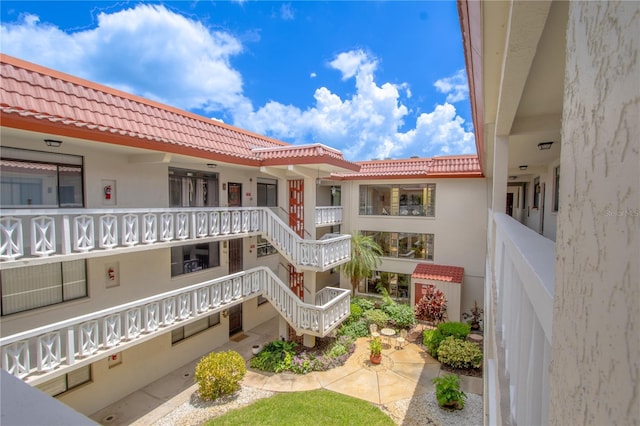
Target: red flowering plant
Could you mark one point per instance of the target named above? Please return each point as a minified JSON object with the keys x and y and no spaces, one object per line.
{"x":432,"y":306}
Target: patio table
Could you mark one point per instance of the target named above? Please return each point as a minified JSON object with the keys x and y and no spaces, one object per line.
{"x":388,"y":333}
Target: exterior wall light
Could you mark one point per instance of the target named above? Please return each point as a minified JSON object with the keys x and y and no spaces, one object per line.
{"x":212,"y":165}
{"x":523,"y":167}
{"x":53,"y":143}
{"x":544,"y":145}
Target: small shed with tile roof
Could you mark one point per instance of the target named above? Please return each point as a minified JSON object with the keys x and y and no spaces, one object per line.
{"x":447,"y":279}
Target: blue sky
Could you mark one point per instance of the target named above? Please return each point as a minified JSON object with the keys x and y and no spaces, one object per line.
{"x":374,"y":79}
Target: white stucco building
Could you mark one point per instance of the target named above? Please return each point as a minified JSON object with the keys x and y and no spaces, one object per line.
{"x":555,"y":89}
{"x":136,"y":237}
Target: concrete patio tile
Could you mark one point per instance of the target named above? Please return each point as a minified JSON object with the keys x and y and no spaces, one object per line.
{"x":327,"y":377}
{"x":472,"y":384}
{"x":127,"y":411}
{"x":361,"y":384}
{"x":418,"y":373}
{"x":282,"y":382}
{"x":394,"y":387}
{"x":166,"y":387}
{"x":306,"y":382}
{"x":256,"y":379}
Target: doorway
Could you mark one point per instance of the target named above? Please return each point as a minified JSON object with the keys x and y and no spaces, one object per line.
{"x":510,"y":203}
{"x":235,"y":265}
{"x":234,"y":194}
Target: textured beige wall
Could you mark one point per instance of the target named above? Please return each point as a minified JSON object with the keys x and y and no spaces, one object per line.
{"x":595,"y":359}
{"x":459,"y":228}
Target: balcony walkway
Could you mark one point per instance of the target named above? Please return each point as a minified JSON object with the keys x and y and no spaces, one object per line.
{"x":403,"y":374}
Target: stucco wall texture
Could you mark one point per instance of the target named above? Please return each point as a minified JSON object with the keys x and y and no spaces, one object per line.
{"x":595,"y":359}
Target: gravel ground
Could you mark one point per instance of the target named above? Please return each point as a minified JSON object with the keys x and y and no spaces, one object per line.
{"x":421,"y":410}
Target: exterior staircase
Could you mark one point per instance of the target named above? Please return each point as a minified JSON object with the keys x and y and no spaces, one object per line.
{"x":43,"y":353}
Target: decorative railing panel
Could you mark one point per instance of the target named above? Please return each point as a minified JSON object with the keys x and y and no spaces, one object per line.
{"x":45,"y":235}
{"x":330,"y":215}
{"x":519,"y":301}
{"x":60,"y":346}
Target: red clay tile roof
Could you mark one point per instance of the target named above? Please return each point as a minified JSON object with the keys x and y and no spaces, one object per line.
{"x":303,"y":154}
{"x":427,"y":271}
{"x":39,"y":99}
{"x":450,"y":166}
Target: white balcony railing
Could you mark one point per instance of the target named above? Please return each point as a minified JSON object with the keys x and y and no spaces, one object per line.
{"x":331,"y":215}
{"x":41,"y":236}
{"x":519,"y":301}
{"x":40,"y":354}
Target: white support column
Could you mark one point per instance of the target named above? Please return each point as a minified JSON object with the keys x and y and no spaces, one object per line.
{"x":499,"y":182}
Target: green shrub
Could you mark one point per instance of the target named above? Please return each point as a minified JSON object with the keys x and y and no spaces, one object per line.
{"x":337,"y":350}
{"x":458,"y":353}
{"x":448,"y":391}
{"x":356,"y":313}
{"x":376,"y":316}
{"x":458,"y":330}
{"x":275,"y":357}
{"x":401,"y":315}
{"x":431,"y":339}
{"x":365,"y":304}
{"x":354,"y":329}
{"x":219,"y":373}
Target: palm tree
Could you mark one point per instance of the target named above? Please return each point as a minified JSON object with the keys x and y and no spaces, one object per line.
{"x":365,"y":257}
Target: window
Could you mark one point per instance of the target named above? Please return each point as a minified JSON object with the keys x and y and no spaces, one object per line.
{"x":33,"y":287}
{"x":267,"y":192}
{"x":192,"y":188}
{"x":194,"y":257}
{"x":397,"y":285}
{"x":264,"y":248}
{"x":37,"y":179}
{"x":195,"y":327}
{"x":556,"y":188}
{"x":404,"y":244}
{"x":409,"y":200}
{"x":66,"y":382}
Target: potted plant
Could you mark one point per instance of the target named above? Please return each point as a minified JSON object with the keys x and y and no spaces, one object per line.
{"x":448,"y":392}
{"x":256,"y":349}
{"x":376,"y":351}
{"x":474,"y":316}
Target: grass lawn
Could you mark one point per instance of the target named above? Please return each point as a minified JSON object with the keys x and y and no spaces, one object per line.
{"x":318,"y":407}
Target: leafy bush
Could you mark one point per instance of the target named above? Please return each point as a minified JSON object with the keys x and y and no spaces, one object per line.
{"x":458,"y":353}
{"x":356,"y":313}
{"x":365,"y":304}
{"x":376,"y":316}
{"x":275,"y":357}
{"x":431,"y":339}
{"x":432,"y":306}
{"x":281,"y":356}
{"x":448,"y":391}
{"x":219,"y":373}
{"x":354,"y":329}
{"x":458,"y":330}
{"x":401,"y":315}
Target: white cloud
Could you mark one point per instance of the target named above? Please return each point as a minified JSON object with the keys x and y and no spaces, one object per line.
{"x":455,"y":87}
{"x":367,"y":124}
{"x":153,"y":52}
{"x":147,"y":50}
{"x":286,"y":13}
{"x":313,"y":75}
